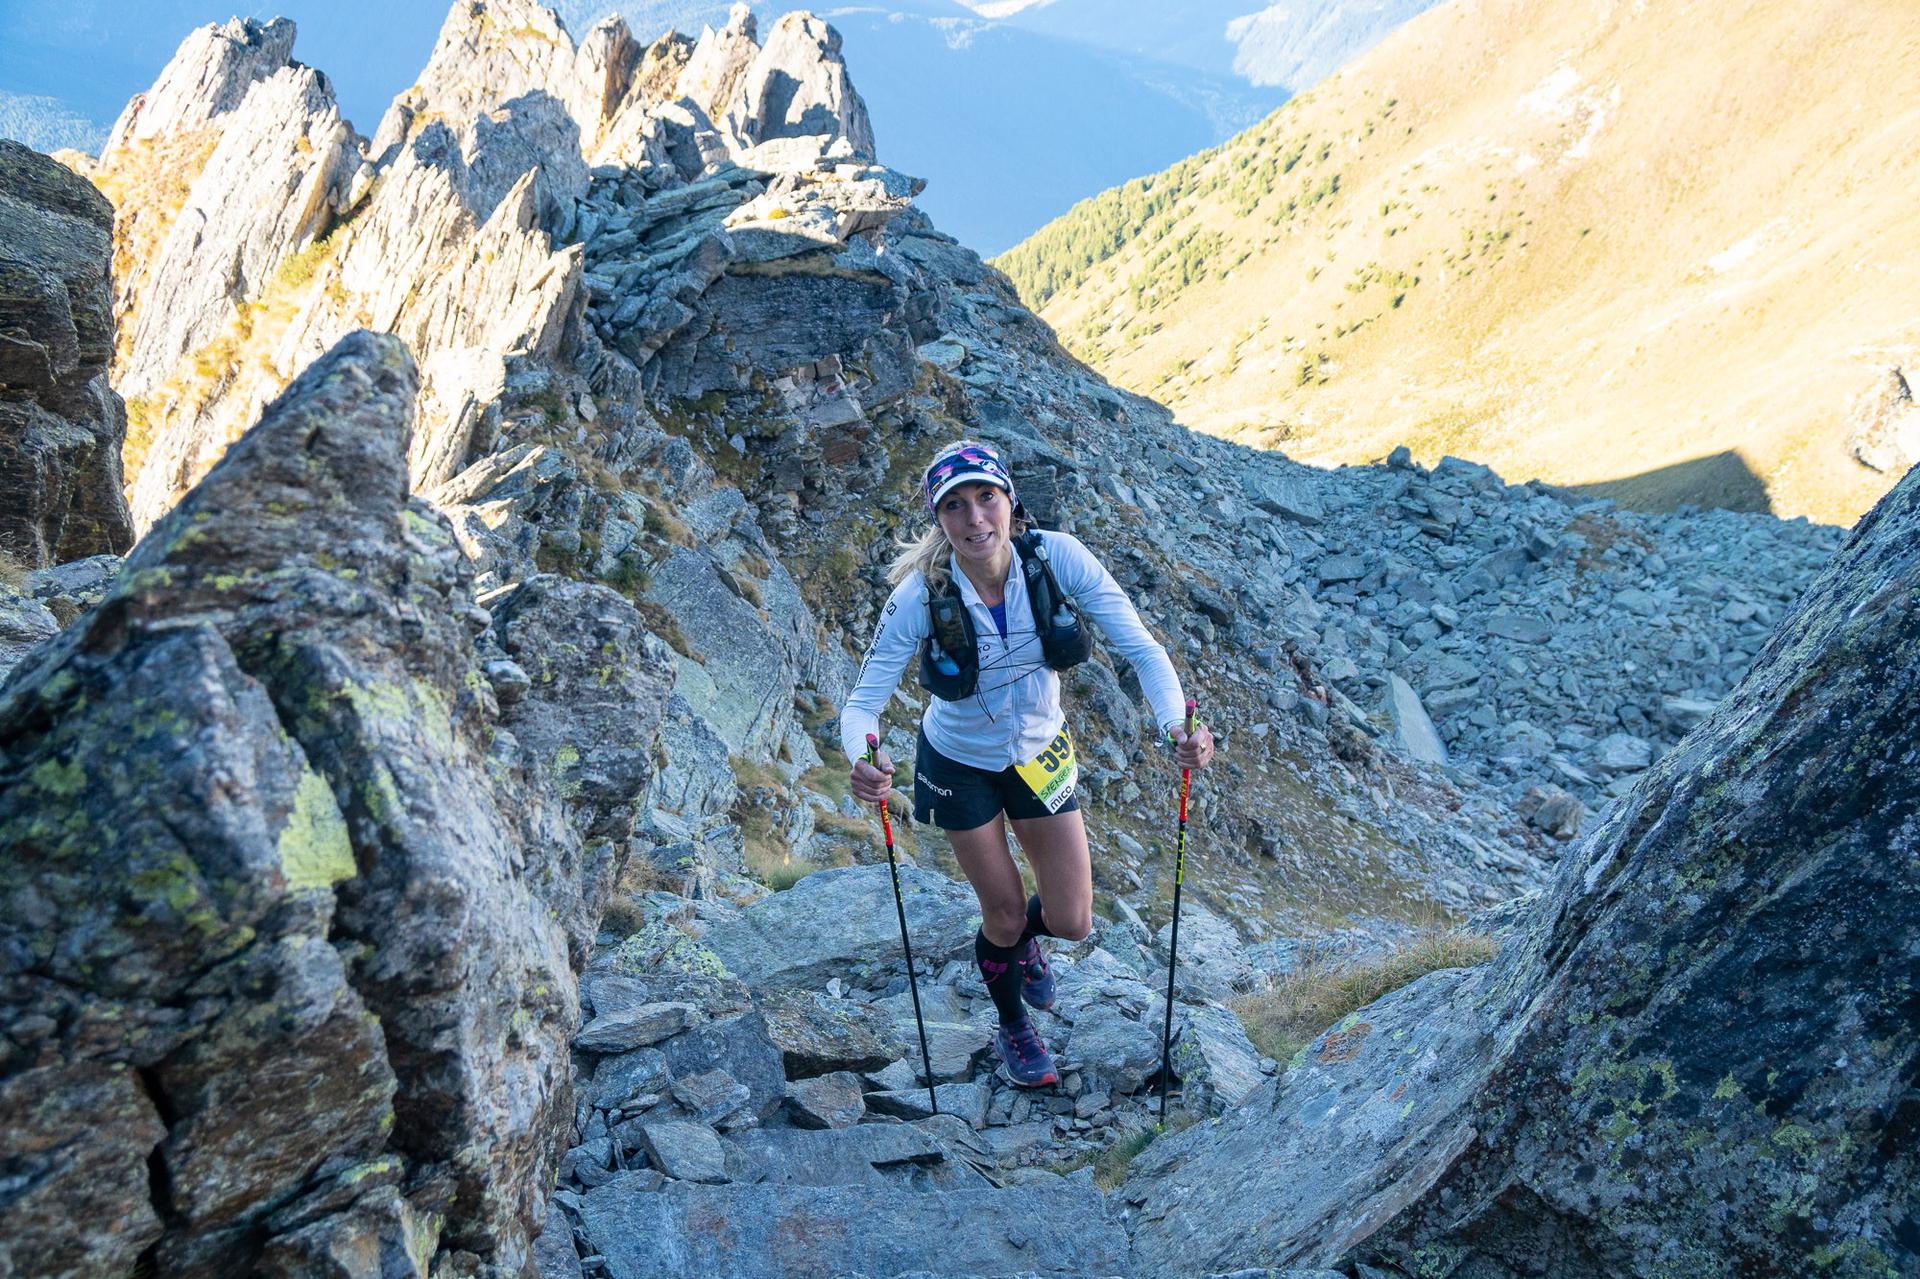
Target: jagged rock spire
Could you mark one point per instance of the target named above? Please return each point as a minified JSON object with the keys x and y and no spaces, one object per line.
{"x":798,"y":87}
{"x":208,"y":76}
{"x":274,"y":183}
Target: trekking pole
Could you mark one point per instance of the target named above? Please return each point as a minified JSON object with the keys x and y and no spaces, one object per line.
{"x":900,"y":906}
{"x":1173,"y":945}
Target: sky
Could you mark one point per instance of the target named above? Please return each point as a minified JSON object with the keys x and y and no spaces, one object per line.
{"x":95,"y":54}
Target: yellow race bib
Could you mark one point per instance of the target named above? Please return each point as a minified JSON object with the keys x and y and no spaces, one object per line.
{"x":1052,"y":773}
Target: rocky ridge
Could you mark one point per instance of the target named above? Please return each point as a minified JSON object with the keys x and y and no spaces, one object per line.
{"x":735,"y":463}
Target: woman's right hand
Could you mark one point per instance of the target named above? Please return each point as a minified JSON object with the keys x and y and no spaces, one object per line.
{"x":871,"y":782}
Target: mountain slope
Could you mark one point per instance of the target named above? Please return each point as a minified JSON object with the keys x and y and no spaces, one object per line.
{"x":1554,"y":237}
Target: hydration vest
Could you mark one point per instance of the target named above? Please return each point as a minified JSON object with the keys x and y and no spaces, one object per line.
{"x":950,"y":655}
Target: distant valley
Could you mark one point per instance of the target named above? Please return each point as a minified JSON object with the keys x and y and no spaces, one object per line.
{"x":1546,"y":236}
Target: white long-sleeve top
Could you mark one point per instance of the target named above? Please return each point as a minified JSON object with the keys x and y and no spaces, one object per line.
{"x":1015,"y":710}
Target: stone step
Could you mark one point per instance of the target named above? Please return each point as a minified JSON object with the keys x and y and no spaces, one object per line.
{"x":905,"y":1157}
{"x":690,"y":1231}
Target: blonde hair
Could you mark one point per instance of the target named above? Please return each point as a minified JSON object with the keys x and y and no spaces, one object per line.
{"x":927,"y":554}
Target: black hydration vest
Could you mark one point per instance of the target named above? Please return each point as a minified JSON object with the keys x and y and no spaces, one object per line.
{"x":950,"y":655}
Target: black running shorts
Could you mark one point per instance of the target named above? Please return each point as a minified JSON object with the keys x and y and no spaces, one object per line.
{"x":956,"y":796}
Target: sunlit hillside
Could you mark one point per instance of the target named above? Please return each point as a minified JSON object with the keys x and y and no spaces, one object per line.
{"x":1664,"y":245}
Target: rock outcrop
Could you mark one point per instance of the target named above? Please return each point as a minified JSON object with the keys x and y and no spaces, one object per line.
{"x":449,"y":251}
{"x":1697,"y":1056}
{"x":61,"y":425}
{"x":1883,"y":427}
{"x":272,"y":828}
{"x":797,"y":88}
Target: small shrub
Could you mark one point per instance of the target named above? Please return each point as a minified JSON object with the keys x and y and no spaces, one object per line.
{"x":662,"y":523}
{"x":776,"y":870}
{"x":666,"y":626}
{"x":842,"y":826}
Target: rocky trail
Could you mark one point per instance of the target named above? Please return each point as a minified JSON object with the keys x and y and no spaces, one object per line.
{"x":457,"y":740}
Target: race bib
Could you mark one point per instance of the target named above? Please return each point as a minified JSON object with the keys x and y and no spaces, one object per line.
{"x":1051,"y":774}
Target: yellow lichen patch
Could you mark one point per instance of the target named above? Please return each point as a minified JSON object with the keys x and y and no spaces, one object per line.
{"x":55,"y":778}
{"x":564,"y":761}
{"x":314,"y":849}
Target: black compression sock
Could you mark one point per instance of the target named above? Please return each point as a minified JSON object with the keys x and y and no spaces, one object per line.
{"x":1002,"y":976}
{"x":1036,"y":921}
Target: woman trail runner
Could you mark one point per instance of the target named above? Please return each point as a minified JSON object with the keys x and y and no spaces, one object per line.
{"x":993,"y":610}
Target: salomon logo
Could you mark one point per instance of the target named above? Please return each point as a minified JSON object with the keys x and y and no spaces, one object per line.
{"x":938,"y":790}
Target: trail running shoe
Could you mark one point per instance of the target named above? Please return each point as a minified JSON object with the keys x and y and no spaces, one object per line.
{"x":1036,"y":976}
{"x":1025,"y":1057}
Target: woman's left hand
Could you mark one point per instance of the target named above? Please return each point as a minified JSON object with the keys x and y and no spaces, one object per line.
{"x":1195,"y":751}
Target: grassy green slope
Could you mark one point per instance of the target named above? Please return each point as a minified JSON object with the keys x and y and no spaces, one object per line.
{"x":1661,"y":246}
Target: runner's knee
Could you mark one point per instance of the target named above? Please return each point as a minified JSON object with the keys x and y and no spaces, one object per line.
{"x":1003,"y":922}
{"x":1074,"y":925}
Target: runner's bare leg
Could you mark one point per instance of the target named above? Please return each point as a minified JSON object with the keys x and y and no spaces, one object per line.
{"x":1056,"y":849}
{"x":982,"y":854}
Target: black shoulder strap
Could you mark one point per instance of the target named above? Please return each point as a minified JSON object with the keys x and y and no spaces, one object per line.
{"x":952,"y":627}
{"x":1042,"y":590}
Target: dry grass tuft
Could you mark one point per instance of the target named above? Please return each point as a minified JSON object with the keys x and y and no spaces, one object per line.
{"x":1110,"y":1166}
{"x":1287,"y":1018}
{"x":13,"y":574}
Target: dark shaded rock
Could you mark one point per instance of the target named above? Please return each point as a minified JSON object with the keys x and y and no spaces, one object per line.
{"x":710,"y":1096}
{"x":1284,"y":496}
{"x":841,"y":923}
{"x":61,"y":425}
{"x":817,"y":1035}
{"x":661,"y":963}
{"x":730,"y":1232}
{"x":906,"y":1156}
{"x":553,"y":1252}
{"x":1698,"y":1054}
{"x":625,"y":1029}
{"x":740,"y":1046}
{"x":72,"y":588}
{"x":684,"y":1151}
{"x":619,"y":1079}
{"x":826,"y":1101}
{"x":1342,"y":568}
{"x":25,"y":624}
{"x":968,"y":1101}
{"x":1520,"y":628}
{"x":267,"y":828}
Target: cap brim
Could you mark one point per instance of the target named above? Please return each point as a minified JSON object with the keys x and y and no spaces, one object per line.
{"x":973,"y":477}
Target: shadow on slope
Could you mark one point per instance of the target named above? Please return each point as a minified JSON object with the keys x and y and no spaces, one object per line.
{"x":1722,"y":480}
